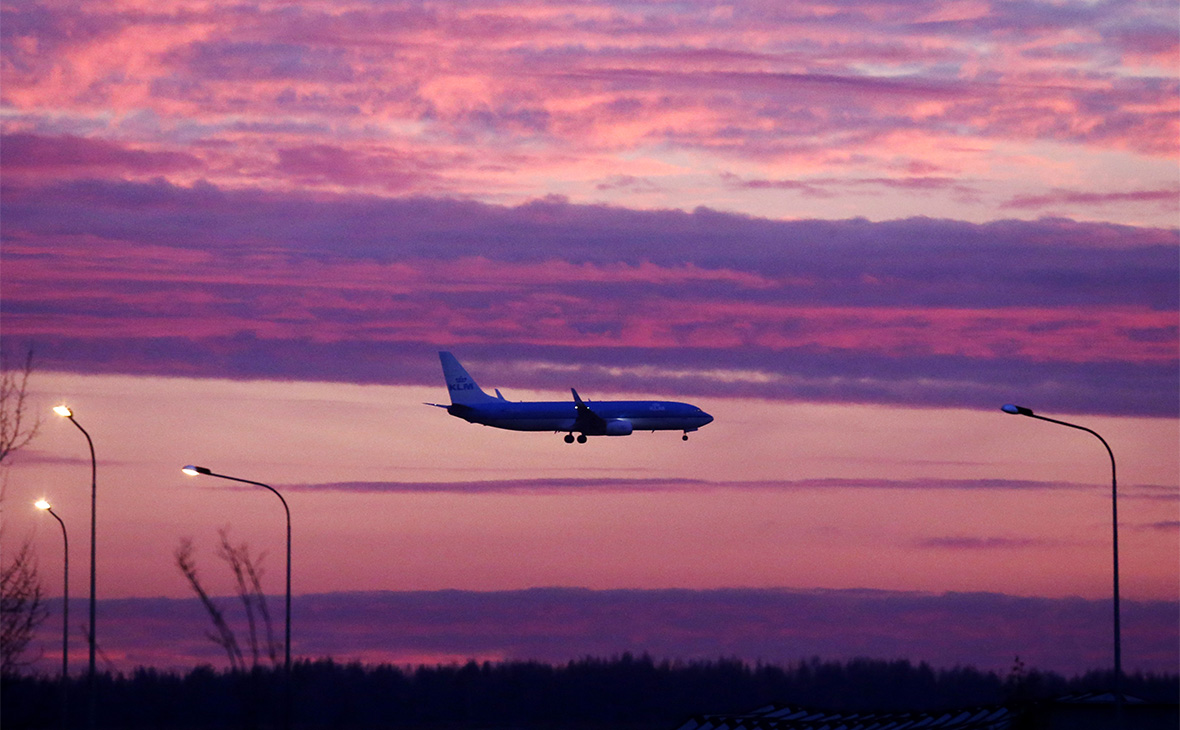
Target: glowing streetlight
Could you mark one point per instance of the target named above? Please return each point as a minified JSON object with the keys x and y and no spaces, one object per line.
{"x":44,"y":506}
{"x":200,"y":470}
{"x":1114,"y":510}
{"x":65,"y":412}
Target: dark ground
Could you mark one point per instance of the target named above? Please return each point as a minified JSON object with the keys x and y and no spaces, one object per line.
{"x":623,"y":693}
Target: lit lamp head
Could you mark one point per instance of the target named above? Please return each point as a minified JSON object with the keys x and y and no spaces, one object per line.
{"x":63,"y":411}
{"x":192,"y":471}
{"x":42,"y":504}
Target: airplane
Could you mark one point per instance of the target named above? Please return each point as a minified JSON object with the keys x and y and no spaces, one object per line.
{"x":585,"y":418}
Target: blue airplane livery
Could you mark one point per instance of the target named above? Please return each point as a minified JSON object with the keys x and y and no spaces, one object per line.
{"x":585,"y":418}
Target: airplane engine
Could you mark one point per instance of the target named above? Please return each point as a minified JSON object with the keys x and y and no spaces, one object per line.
{"x":620,"y":427}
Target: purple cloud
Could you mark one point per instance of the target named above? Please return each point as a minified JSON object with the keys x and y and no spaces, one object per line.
{"x":384,"y":169}
{"x":646,"y":485}
{"x":1169,"y":198}
{"x":1069,"y":315}
{"x":983,"y":630}
{"x":983,"y":543}
{"x":1165,"y":526}
{"x":23,"y":154}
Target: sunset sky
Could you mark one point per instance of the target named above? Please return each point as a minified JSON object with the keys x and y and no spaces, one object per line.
{"x":238,"y":235}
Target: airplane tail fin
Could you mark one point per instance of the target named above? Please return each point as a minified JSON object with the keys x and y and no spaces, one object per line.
{"x":462,"y":387}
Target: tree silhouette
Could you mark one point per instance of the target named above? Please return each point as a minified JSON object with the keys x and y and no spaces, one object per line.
{"x":21,"y":606}
{"x":16,"y":430}
{"x":21,"y":609}
{"x":625,"y":692}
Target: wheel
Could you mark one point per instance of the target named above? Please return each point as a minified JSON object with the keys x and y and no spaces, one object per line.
{"x":581,"y":438}
{"x":684,"y":437}
{"x":569,"y":438}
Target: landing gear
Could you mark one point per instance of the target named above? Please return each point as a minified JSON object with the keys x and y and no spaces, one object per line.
{"x":581,"y":438}
{"x":569,"y":438}
{"x":684,"y":437}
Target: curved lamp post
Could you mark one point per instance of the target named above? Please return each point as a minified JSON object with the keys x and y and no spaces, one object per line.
{"x":194,"y":471}
{"x":44,"y":505}
{"x":1114,"y":510}
{"x":65,"y":412}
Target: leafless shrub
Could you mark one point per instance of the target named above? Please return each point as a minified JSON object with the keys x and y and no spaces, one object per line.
{"x":248,"y":576}
{"x":21,"y":609}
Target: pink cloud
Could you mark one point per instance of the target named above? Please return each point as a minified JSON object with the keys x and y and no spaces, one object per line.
{"x":493,"y":100}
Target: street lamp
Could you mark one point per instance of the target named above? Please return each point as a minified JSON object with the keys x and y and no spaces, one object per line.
{"x":199,"y":470}
{"x":44,"y":505}
{"x":65,"y":412}
{"x":1114,"y":510}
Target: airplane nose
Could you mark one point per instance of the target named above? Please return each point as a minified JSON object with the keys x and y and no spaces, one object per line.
{"x":707,"y":417}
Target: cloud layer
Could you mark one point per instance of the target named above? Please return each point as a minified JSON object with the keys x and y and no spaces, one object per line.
{"x":332,"y":191}
{"x":984,"y":630}
{"x":155,"y":278}
{"x":914,"y":107}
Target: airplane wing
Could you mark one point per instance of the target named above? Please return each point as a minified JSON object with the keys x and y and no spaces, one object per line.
{"x":588,"y":420}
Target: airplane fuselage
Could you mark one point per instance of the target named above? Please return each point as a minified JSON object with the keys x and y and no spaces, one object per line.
{"x":618,"y":416}
{"x":585,"y":418}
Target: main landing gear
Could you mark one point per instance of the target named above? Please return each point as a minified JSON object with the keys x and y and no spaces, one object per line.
{"x":581,"y":438}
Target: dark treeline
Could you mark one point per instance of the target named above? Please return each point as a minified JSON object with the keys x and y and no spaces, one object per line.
{"x":624,"y":692}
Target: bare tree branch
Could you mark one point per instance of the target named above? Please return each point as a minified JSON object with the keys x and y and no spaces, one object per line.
{"x":255,"y":575}
{"x":21,"y":606}
{"x":15,"y":429}
{"x":21,"y":609}
{"x":224,"y":636}
{"x":248,"y":578}
{"x":234,"y":555}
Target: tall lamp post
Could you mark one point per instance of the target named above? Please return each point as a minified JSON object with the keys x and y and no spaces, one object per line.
{"x":44,"y":505}
{"x":195,"y":470}
{"x":1114,"y":511}
{"x":65,"y":412}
